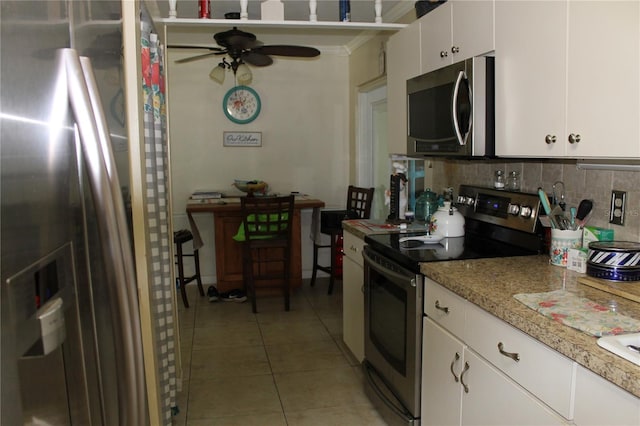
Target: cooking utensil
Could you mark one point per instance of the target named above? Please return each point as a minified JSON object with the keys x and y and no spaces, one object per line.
{"x":546,"y":205}
{"x":422,"y":239}
{"x":584,"y":210}
{"x":449,"y":222}
{"x":559,"y":200}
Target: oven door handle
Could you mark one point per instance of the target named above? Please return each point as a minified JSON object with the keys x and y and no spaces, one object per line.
{"x":388,"y":272}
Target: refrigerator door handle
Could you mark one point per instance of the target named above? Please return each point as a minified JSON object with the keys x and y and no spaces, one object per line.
{"x":123,"y":230}
{"x":130,"y":389}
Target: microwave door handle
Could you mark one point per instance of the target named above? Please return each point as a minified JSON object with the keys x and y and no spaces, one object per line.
{"x":462,"y":140}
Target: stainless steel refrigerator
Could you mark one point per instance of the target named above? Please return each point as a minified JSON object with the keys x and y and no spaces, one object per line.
{"x":71,"y":348}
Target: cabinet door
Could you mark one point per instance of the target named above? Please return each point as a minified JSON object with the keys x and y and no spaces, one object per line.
{"x":403,"y":63}
{"x":353,"y":307}
{"x":435,"y":33}
{"x":442,"y":362}
{"x":493,"y":399}
{"x":600,"y":402}
{"x":530,"y":40}
{"x":604,"y":87}
{"x":472,"y":28}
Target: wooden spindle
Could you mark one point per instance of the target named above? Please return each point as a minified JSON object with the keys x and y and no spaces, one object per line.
{"x":378,"y":9}
{"x":313,"y":10}
{"x":243,"y":9}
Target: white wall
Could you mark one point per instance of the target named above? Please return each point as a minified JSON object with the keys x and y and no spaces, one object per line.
{"x":305,"y":129}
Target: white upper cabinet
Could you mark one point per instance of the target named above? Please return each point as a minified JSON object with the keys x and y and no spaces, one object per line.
{"x":530,"y":78}
{"x":456,"y":30}
{"x":403,"y":63}
{"x":567,"y":78}
{"x":603,"y":96}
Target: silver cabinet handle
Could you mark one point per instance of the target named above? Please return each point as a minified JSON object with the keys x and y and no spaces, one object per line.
{"x":549,"y":139}
{"x":444,"y":54}
{"x":464,"y":385}
{"x":455,"y":49}
{"x":455,"y":359}
{"x":441,"y":308}
{"x":574,"y":138}
{"x":513,"y":355}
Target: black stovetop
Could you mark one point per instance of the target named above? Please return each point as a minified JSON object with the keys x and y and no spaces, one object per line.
{"x":480,"y":241}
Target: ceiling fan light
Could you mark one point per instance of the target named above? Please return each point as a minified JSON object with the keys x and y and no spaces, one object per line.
{"x":217,"y":74}
{"x":243,"y":74}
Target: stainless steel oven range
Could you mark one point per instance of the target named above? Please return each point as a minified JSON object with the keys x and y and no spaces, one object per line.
{"x":497,"y":224}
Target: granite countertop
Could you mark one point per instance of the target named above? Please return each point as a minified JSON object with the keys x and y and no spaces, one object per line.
{"x":491,"y":284}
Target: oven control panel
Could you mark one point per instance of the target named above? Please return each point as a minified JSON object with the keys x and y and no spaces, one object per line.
{"x":515,"y":210}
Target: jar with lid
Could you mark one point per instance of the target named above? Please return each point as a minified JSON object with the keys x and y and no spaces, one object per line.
{"x":426,"y":205}
{"x":513,"y":181}
{"x":499,"y":180}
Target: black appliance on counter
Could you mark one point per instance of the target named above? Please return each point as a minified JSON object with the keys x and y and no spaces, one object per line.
{"x":497,"y":224}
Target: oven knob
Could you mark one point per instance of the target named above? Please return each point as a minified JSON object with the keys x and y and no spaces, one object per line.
{"x":513,"y":209}
{"x":470,"y":201}
{"x":461,"y":199}
{"x":525,"y":211}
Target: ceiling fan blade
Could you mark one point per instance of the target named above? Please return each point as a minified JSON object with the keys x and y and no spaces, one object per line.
{"x":195,"y":58}
{"x":284,"y":50}
{"x":256,"y":59}
{"x":216,"y":49}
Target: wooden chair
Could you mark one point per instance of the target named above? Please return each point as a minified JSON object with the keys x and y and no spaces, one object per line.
{"x":179,"y":238}
{"x":266,"y":249}
{"x":358,"y":207}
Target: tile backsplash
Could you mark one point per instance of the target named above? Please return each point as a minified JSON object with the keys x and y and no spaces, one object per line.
{"x":579,"y":184}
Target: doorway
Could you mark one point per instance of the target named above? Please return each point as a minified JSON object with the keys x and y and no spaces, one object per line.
{"x":372,"y":158}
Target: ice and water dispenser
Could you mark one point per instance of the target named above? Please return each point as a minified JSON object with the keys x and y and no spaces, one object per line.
{"x":43,"y":331}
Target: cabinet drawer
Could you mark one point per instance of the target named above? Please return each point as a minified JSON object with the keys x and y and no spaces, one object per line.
{"x":544,"y":372}
{"x":353,"y":247}
{"x":444,"y":307}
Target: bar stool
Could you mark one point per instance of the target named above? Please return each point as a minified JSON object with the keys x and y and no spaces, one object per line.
{"x":359,"y":202}
{"x":266,"y":248}
{"x":179,"y":238}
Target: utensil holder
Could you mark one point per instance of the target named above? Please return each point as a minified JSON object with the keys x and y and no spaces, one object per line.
{"x":561,"y":241}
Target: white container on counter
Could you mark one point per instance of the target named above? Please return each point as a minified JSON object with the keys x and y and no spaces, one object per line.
{"x":449,"y":221}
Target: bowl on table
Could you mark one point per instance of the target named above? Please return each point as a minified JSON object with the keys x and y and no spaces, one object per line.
{"x":251,"y":186}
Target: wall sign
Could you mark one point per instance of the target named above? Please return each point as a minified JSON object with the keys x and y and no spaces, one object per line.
{"x":251,"y":139}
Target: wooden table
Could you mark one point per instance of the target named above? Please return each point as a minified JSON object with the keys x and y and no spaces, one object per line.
{"x":227,"y":217}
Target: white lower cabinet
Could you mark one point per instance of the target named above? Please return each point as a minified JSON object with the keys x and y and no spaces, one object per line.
{"x":600,"y":402}
{"x":465,"y":383}
{"x":353,"y":295}
{"x":461,"y":388}
{"x":442,"y":362}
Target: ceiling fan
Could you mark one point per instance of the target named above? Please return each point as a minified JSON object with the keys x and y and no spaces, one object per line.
{"x":244,"y":48}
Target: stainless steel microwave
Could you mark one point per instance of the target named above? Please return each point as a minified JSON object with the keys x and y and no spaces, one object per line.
{"x":450,"y":111}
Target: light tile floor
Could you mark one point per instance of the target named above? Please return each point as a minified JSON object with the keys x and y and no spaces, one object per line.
{"x":270,"y":368}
